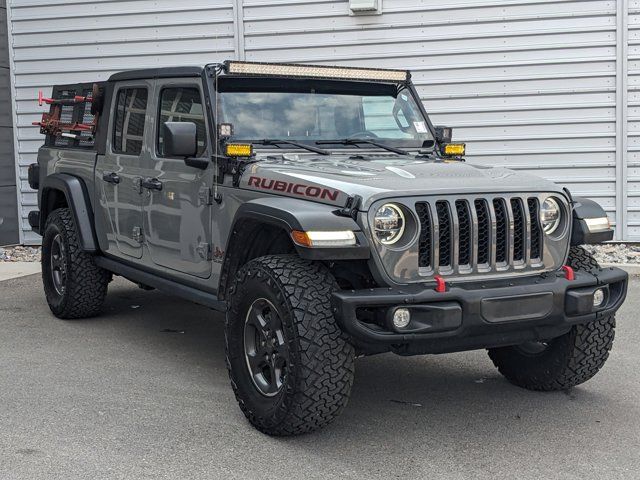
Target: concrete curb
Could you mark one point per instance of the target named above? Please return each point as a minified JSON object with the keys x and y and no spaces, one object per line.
{"x":9,"y":270}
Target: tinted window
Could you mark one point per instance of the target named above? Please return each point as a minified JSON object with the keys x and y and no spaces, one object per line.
{"x":182,"y":105}
{"x":128,"y":130}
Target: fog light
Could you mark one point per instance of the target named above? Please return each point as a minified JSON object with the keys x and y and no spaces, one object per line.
{"x":401,"y":317}
{"x":598,"y":298}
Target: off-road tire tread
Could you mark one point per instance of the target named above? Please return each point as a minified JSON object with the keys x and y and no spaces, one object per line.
{"x":87,"y":283}
{"x":326,"y":359}
{"x":576,"y":357}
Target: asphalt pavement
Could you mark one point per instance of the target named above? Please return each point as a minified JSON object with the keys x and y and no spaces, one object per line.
{"x":142,"y":392}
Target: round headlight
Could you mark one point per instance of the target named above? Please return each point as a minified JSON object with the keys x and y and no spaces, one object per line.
{"x":550,"y":214}
{"x":388,"y":224}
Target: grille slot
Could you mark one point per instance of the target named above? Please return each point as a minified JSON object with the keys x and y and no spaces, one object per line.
{"x":536,"y":230}
{"x":425,"y":249}
{"x":462,"y":236}
{"x":519,"y":230}
{"x":484,"y":231}
{"x":502,"y":230}
{"x":444,"y":233}
{"x":465,"y":236}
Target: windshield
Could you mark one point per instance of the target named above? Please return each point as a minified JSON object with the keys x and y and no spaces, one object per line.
{"x":310,"y":111}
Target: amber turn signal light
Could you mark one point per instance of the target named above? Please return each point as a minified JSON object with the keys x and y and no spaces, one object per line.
{"x":341,"y":238}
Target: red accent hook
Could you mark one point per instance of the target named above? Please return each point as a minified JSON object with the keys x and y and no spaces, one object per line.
{"x":569,"y":274}
{"x":441,"y":285}
{"x":40,"y":98}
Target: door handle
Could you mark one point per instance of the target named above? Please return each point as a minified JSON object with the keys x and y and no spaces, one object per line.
{"x":111,"y":177}
{"x":151,"y":184}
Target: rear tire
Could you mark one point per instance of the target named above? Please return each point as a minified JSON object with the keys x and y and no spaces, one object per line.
{"x":75,"y":287}
{"x":565,"y":361}
{"x":290,"y":365}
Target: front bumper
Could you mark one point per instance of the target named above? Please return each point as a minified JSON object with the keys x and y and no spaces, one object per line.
{"x":479,"y":315}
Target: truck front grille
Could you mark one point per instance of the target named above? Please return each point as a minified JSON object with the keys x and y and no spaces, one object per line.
{"x":479,"y":235}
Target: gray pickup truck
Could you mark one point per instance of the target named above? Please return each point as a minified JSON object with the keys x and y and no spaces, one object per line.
{"x":320,"y":209}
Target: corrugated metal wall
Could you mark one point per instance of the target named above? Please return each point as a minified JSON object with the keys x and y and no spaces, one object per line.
{"x":633,"y":120}
{"x":535,"y":85}
{"x":8,"y":194}
{"x":57,"y":42}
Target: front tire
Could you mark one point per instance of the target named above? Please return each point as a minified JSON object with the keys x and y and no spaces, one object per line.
{"x":290,"y":365}
{"x":565,"y":361}
{"x":75,"y":287}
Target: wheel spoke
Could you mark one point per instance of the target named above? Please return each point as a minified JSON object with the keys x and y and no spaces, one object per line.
{"x":279,"y":366}
{"x":281,"y":345}
{"x":274,"y":375}
{"x":257,"y":361}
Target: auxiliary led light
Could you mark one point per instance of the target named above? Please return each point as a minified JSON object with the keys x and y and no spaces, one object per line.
{"x":455,"y":149}
{"x":316,"y":71}
{"x":238,"y":150}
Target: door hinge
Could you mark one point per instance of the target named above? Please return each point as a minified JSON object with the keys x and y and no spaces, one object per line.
{"x":204,"y":250}
{"x":137,"y":234}
{"x":137,"y":185}
{"x":206,"y":196}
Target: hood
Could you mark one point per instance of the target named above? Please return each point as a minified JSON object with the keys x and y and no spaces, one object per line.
{"x":333,"y":178}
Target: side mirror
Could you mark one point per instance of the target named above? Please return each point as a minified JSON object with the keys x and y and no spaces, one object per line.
{"x":180,"y":139}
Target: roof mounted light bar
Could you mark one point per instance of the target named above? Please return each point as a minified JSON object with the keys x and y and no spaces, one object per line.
{"x":315,"y":71}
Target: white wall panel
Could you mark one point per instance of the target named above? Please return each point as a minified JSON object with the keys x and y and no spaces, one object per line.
{"x":533,"y":85}
{"x":56,"y":42}
{"x":633,"y":125}
{"x":529,"y":85}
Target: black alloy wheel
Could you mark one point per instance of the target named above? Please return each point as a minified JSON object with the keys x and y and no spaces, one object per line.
{"x":265,"y":348}
{"x":58,"y":261}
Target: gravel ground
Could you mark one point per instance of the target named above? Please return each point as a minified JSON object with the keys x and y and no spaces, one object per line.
{"x":616,"y":253}
{"x":609,"y":253}
{"x":19,"y":254}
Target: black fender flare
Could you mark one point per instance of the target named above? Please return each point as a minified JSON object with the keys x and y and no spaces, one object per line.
{"x":584,"y":208}
{"x":290,"y":214}
{"x":78,"y":200}
{"x":294,"y":214}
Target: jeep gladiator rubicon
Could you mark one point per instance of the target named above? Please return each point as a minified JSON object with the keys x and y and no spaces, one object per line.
{"x":325,"y":214}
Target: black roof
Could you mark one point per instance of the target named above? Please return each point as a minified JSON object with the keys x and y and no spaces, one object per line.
{"x":163,"y":72}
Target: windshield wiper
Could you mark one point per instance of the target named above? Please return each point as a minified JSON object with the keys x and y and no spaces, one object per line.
{"x":362,"y":141}
{"x":276,"y":142}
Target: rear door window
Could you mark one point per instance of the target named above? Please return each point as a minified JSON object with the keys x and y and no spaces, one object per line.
{"x":129,"y":120}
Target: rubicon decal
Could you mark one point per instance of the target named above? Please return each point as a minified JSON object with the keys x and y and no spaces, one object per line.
{"x":295,"y":188}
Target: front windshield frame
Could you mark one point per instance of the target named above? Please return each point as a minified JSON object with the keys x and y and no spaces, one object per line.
{"x":232,"y":83}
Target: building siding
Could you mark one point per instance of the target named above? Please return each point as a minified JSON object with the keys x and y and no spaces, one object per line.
{"x":9,"y":224}
{"x":633,"y":119}
{"x":531,"y":85}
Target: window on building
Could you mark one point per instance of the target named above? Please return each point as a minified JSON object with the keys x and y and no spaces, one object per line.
{"x":128,"y":129}
{"x":182,"y":104}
